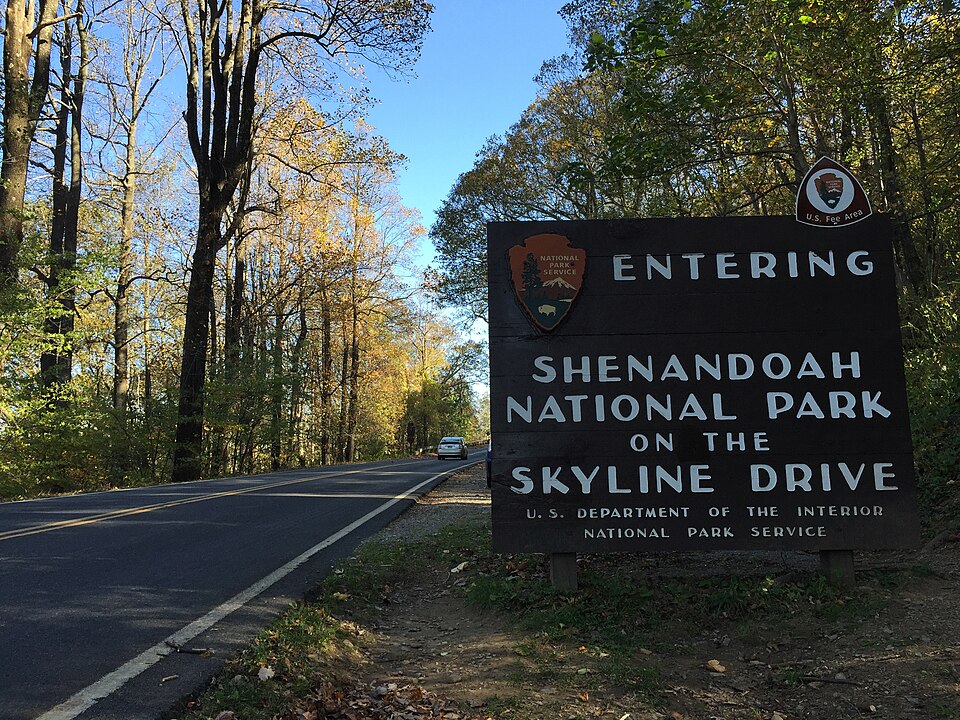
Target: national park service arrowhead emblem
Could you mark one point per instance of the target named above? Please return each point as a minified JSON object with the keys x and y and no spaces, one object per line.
{"x":830,"y":196}
{"x":547,"y":275}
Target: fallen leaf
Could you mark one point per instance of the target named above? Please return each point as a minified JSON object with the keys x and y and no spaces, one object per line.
{"x":265,"y":673}
{"x":714,"y":666}
{"x":341,"y":596}
{"x":584,"y":695}
{"x":460,"y":567}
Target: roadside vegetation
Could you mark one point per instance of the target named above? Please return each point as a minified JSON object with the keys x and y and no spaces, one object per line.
{"x":615,"y":634}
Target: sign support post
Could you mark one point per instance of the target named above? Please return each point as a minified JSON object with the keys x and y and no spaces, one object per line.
{"x":837,"y":566}
{"x":563,"y":571}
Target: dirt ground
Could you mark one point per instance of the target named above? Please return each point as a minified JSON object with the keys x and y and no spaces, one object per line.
{"x":434,"y":656}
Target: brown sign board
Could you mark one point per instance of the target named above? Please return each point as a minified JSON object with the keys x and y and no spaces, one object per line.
{"x":726,"y":383}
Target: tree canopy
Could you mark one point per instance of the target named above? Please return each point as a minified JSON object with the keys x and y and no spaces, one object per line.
{"x":674,"y":107}
{"x":207,"y":268}
{"x":671,"y":108}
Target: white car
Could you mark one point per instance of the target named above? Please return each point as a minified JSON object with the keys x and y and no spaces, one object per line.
{"x":452,"y":447}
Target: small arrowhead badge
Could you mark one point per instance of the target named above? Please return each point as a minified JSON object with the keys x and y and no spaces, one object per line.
{"x":547,"y":274}
{"x":830,"y":196}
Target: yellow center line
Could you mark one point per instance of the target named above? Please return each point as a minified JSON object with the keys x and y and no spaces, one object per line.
{"x":115,"y":514}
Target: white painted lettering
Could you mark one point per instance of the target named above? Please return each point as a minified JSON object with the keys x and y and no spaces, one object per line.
{"x":520,"y":474}
{"x":569,"y":369}
{"x":544,"y":363}
{"x":828,"y":265}
{"x":762,"y":263}
{"x":524,"y":411}
{"x":871,"y":405}
{"x":585,"y":480}
{"x":726,"y":266}
{"x":694,"y":260}
{"x":853,"y":365}
{"x":663,"y":268}
{"x":621,"y":266}
{"x":856,"y":263}
{"x":607,"y":368}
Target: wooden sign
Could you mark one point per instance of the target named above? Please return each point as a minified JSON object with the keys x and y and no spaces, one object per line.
{"x":729,"y":383}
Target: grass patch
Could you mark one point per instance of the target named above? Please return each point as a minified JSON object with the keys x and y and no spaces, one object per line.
{"x":320,"y":640}
{"x":501,"y":706}
{"x":788,"y":677}
{"x":296,"y":654}
{"x":765,"y":598}
{"x":599,"y":636}
{"x":618,"y":606}
{"x":945,"y":710}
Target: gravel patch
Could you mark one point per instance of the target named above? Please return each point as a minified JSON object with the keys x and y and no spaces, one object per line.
{"x":461,"y":498}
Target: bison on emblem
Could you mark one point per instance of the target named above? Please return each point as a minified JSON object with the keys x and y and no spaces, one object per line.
{"x":546,"y":273}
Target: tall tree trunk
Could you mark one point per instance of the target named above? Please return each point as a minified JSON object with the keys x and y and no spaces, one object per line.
{"x":295,"y":415}
{"x":26,"y":45}
{"x":877,"y":106}
{"x":54,"y":371}
{"x":188,"y":450}
{"x":344,"y":401}
{"x":353,"y":409}
{"x":56,"y":366}
{"x":788,"y":90}
{"x":276,"y":391}
{"x":930,"y":255}
{"x":221,"y":101}
{"x":234,"y":314}
{"x":121,"y":303}
{"x":147,"y":377}
{"x":220,"y":440}
{"x":326,"y":376}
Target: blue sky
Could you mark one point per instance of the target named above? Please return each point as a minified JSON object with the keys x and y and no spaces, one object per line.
{"x":474,"y":79}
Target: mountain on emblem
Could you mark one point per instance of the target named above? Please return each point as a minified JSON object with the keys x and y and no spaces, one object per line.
{"x":547,"y":274}
{"x":830,"y":196}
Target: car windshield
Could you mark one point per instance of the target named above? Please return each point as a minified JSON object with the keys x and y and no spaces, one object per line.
{"x":451,"y":440}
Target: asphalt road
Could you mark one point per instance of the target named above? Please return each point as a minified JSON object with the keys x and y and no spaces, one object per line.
{"x":92,"y":587}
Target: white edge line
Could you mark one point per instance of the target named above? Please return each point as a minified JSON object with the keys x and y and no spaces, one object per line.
{"x":86,"y":698}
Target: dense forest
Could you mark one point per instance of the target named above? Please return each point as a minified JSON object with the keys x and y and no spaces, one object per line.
{"x":205,"y":267}
{"x":667,"y":108}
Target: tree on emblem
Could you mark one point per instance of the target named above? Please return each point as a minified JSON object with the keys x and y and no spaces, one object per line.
{"x":531,"y":275}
